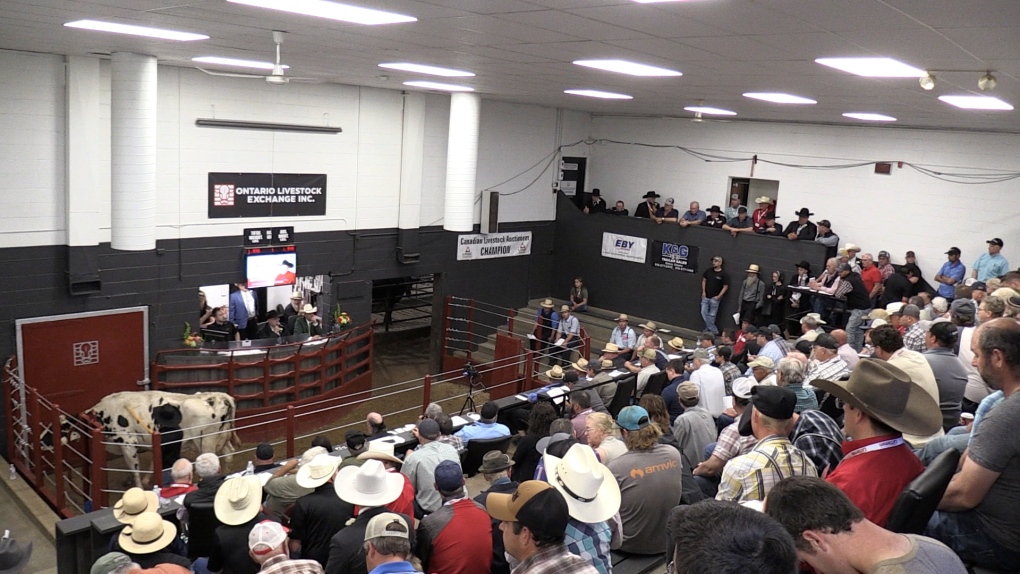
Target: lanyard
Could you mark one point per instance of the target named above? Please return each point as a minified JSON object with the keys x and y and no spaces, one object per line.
{"x":874,"y":447}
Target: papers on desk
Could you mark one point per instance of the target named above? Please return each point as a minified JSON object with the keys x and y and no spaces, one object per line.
{"x":405,"y":428}
{"x":522,"y":398}
{"x":459,"y":421}
{"x":553,"y":393}
{"x":615,"y":373}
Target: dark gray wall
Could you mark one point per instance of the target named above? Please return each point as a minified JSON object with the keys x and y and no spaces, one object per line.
{"x":670,"y":296}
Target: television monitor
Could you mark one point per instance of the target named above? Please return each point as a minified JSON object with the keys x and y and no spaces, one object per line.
{"x":268,"y":269}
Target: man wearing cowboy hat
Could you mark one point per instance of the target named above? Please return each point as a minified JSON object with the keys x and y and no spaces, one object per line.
{"x":238,"y":506}
{"x":384,"y":453}
{"x":495,"y":469}
{"x":371,"y":488}
{"x":649,"y":207}
{"x":308,"y":323}
{"x":420,"y":465}
{"x":147,"y":542}
{"x":811,"y":327}
{"x":457,"y":538}
{"x":534,"y":522}
{"x":272,"y":328}
{"x":879,"y":404}
{"x":758,"y":217}
{"x":715,"y":218}
{"x":644,"y":368}
{"x":319,"y":515}
{"x":568,"y":331}
{"x":889,"y":347}
{"x":601,"y":380}
{"x":282,"y":488}
{"x":802,"y":229}
{"x":388,"y":545}
{"x":293,"y":310}
{"x":593,"y":498}
{"x":648,"y":330}
{"x":571,"y":379}
{"x":269,"y":547}
{"x":752,"y":295}
{"x":622,"y":335}
{"x":547,"y":320}
{"x":770,"y":228}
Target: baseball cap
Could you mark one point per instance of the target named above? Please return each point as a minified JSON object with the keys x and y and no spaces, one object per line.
{"x":953,"y":251}
{"x":669,"y":201}
{"x":633,"y":418}
{"x":995,"y":241}
{"x":883,"y":254}
{"x":825,"y":223}
{"x":843,"y":267}
{"x":771,"y":401}
{"x":687,"y":391}
{"x":979,"y":286}
{"x":962,"y":307}
{"x":911,"y":311}
{"x":449,"y":476}
{"x":741,"y":209}
{"x":379,"y":526}
{"x":428,"y":428}
{"x":742,"y":386}
{"x":826,"y":341}
{"x":109,"y":562}
{"x":265,"y":536}
{"x":264,"y":451}
{"x":535,"y":504}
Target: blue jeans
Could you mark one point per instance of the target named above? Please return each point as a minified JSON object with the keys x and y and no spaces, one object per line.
{"x":957,"y":438}
{"x":854,"y":333}
{"x":709,"y":310}
{"x":964,"y":533}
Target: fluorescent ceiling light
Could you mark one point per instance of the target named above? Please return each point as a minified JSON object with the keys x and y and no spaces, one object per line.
{"x":873,"y":67}
{"x":135,"y":30}
{"x":976,"y":102}
{"x":216,"y":60}
{"x":439,"y":86}
{"x":869,"y":117}
{"x":598,"y":94}
{"x":710,"y":111}
{"x":779,"y":98}
{"x":430,"y":70}
{"x":330,"y":10}
{"x":625,"y":67}
{"x":656,"y":1}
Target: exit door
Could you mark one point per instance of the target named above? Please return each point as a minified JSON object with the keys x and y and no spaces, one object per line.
{"x":75,"y":360}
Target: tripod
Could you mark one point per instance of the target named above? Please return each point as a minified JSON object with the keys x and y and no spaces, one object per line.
{"x":474,"y":378}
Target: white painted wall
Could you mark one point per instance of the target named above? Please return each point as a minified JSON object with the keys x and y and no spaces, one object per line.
{"x":905,"y":210}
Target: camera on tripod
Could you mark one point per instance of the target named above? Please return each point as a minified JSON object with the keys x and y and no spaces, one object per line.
{"x":470,"y":371}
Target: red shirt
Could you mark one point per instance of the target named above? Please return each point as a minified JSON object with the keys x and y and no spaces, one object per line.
{"x":175,"y":490}
{"x":758,"y":218}
{"x":456,"y":539}
{"x":739,"y":343}
{"x":871,"y":276}
{"x":874,"y":480}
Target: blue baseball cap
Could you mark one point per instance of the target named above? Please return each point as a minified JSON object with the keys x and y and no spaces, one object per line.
{"x":449,"y":476}
{"x":633,"y":418}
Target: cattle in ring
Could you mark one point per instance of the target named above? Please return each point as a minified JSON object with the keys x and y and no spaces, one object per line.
{"x":207,"y":420}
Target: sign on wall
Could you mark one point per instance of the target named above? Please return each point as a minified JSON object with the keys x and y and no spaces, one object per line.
{"x":624,"y":247}
{"x":266,"y":194}
{"x":260,"y":236}
{"x":493,"y":245}
{"x":676,"y":257}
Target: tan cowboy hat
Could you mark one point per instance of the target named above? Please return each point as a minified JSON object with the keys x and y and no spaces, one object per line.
{"x":851,"y":247}
{"x":676,"y":343}
{"x":606,"y":364}
{"x":622,"y":317}
{"x":564,"y":308}
{"x":149,"y":533}
{"x":649,"y":354}
{"x":886,"y":393}
{"x":368,"y":485}
{"x":134,"y":502}
{"x":308,"y":309}
{"x":238,"y":500}
{"x":753,"y":268}
{"x":763,"y":199}
{"x":580,"y":365}
{"x":591,"y":491}
{"x":318,"y":471}
{"x":763,"y":362}
{"x":611,"y":348}
{"x":548,"y":304}
{"x":555,"y":373}
{"x":297,"y":296}
{"x":651,"y":326}
{"x":378,"y":450}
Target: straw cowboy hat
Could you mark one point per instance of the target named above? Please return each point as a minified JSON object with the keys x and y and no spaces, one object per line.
{"x":148,"y":534}
{"x":676,"y":343}
{"x":297,"y":296}
{"x":308,"y":308}
{"x":134,"y":502}
{"x":580,"y":365}
{"x":318,"y":471}
{"x":812,"y":317}
{"x":651,"y":326}
{"x":886,"y":393}
{"x":238,"y":500}
{"x":368,"y":485}
{"x":555,"y":373}
{"x":611,"y":348}
{"x":378,"y":450}
{"x":591,"y":491}
{"x":763,"y":199}
{"x":753,"y":268}
{"x":548,"y":304}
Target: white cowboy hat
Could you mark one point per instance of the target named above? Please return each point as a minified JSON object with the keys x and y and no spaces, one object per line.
{"x":591,"y":491}
{"x":753,"y":268}
{"x":134,"y":502}
{"x":813,"y":316}
{"x":318,"y":471}
{"x":763,"y":199}
{"x":308,"y":309}
{"x":148,"y":534}
{"x":368,"y":485}
{"x":238,"y":500}
{"x":378,"y":450}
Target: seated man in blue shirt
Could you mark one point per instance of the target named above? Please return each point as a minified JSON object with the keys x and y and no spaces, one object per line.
{"x":486,"y":427}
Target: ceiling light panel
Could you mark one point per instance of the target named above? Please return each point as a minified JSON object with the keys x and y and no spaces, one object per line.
{"x":976,"y":102}
{"x":331,"y":11}
{"x":217,"y":61}
{"x":598,"y":94}
{"x":625,"y":67}
{"x":779,"y":98}
{"x":869,"y":117}
{"x":429,"y":70}
{"x":873,"y":67}
{"x":439,"y":86}
{"x":116,"y":28}
{"x":710,"y":110}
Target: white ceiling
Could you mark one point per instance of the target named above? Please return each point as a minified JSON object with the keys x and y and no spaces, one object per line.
{"x":521,"y":50}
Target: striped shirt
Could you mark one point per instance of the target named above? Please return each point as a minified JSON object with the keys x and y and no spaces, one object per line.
{"x":751,"y":476}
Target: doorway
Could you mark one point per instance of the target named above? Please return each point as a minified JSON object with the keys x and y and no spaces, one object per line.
{"x":747,"y":189}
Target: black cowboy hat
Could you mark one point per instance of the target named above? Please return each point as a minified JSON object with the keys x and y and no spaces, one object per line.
{"x":805,"y":265}
{"x":167,"y":416}
{"x":803,"y":212}
{"x":651,"y":195}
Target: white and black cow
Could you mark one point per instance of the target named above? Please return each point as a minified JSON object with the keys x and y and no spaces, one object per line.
{"x":127,"y":420}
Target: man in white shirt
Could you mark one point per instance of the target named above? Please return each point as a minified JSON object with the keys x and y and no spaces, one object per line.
{"x":845,"y":351}
{"x":569,"y":332}
{"x":648,"y":368}
{"x":710,"y":382}
{"x":623,"y":336}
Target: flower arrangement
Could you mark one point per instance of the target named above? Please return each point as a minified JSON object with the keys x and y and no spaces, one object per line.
{"x":340,"y":318}
{"x":191,"y":339}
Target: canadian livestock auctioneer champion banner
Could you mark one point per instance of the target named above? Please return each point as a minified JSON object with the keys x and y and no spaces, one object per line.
{"x":470,"y":247}
{"x":266,"y":194}
{"x":675,"y":257}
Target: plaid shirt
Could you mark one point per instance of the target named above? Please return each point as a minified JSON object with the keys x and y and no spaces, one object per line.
{"x":820,"y":438}
{"x":452,"y":440}
{"x":751,"y":476}
{"x":913,"y":339}
{"x":730,"y":372}
{"x":281,"y":564}
{"x":831,"y":370}
{"x":554,"y":559}
{"x":731,"y":444}
{"x":591,"y":542}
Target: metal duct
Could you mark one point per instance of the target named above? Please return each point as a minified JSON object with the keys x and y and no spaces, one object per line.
{"x":462,"y":162}
{"x":133,"y":152}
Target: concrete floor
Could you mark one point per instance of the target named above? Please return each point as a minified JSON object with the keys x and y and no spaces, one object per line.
{"x":30,"y":520}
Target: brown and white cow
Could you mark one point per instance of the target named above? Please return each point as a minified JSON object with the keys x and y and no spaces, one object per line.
{"x":127,"y":419}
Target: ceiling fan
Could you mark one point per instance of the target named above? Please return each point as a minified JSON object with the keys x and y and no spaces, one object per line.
{"x":276,"y":77}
